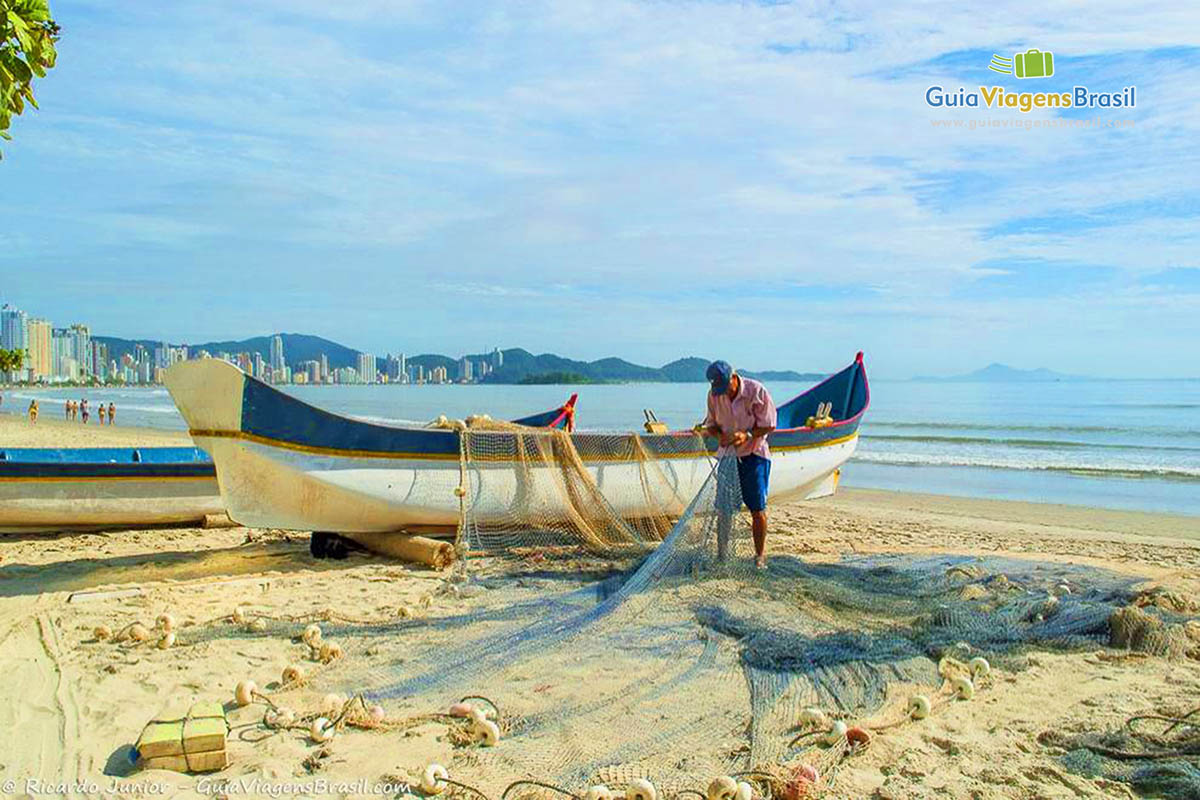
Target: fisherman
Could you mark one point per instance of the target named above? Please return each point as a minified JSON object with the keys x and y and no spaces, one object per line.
{"x":740,"y":414}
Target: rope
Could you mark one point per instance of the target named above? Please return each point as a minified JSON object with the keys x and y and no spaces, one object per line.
{"x":515,"y":784}
{"x":464,"y":786}
{"x":487,"y":700}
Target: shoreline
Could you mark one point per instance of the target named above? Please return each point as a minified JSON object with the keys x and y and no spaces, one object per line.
{"x":55,"y":432}
{"x":1162,"y":524}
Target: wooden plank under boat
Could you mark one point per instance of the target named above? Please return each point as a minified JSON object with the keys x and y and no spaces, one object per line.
{"x":283,"y":463}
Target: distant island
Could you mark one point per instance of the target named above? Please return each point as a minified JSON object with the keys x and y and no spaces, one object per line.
{"x":511,"y":366}
{"x":1002,"y":373}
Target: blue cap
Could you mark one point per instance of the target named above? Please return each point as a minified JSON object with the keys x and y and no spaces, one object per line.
{"x":719,"y":373}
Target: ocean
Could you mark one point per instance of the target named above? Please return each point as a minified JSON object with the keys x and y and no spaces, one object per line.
{"x":1130,"y":444}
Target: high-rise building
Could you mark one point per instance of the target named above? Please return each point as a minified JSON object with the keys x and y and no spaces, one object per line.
{"x":324,"y":368}
{"x":81,"y":336}
{"x":99,"y":361}
{"x":497,"y":359}
{"x":39,"y":343}
{"x":366,"y":368}
{"x":64,"y":365}
{"x":311,"y":371}
{"x":465,"y":370}
{"x":277,"y":360}
{"x":14,"y":328}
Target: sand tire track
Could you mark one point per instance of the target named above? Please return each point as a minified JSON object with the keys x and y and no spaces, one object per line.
{"x":35,"y":719}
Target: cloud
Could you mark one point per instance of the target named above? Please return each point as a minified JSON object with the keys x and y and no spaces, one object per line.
{"x":652,"y":157}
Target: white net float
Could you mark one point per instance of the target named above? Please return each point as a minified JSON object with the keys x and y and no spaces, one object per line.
{"x":722,"y":788}
{"x":814,"y":717}
{"x":641,"y":789}
{"x":919,"y":706}
{"x":836,"y":733}
{"x":598,"y":792}
{"x":243,"y":693}
{"x":433,"y":779}
{"x":321,"y":730}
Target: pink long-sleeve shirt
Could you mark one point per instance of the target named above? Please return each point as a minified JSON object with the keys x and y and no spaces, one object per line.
{"x":751,"y":407}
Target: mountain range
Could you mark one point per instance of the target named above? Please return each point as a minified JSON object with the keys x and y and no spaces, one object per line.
{"x":1002,"y":373}
{"x":519,"y":364}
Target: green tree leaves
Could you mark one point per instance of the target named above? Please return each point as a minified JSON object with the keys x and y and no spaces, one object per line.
{"x":27,"y":37}
{"x":11,"y":360}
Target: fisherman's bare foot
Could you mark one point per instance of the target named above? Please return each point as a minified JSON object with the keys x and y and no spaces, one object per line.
{"x":761,"y":562}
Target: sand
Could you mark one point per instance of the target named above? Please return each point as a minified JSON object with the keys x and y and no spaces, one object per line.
{"x":76,"y":704}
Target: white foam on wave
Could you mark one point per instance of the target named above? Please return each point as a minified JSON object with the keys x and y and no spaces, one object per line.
{"x":1099,"y":469}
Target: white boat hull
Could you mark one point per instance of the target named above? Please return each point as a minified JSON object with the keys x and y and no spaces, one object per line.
{"x":48,"y":504}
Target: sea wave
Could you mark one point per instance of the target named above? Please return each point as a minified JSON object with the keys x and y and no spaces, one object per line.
{"x":876,"y":424}
{"x":991,"y":462}
{"x":1048,"y":444}
{"x":391,"y":421}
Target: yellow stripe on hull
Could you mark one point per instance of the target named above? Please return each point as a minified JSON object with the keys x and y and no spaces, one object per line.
{"x":348,"y":453}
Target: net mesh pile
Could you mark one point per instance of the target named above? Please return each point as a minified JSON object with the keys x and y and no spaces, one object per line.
{"x":618,"y":622}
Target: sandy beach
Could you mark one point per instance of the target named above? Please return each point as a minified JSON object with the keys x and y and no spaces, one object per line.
{"x":51,"y":430}
{"x":81,"y":703}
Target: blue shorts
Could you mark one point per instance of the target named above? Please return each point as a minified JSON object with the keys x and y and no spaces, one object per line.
{"x":753,"y":477}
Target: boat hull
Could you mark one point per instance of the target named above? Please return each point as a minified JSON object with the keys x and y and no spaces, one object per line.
{"x":87,"y":489}
{"x":266,"y":486}
{"x":284,"y":464}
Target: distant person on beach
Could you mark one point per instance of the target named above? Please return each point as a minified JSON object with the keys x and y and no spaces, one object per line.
{"x":101,"y":412}
{"x":740,"y":414}
{"x":112,"y":413}
{"x":83,"y":411}
{"x":67,"y":410}
{"x":33,"y":410}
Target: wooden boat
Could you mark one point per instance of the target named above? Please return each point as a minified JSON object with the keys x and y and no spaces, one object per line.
{"x":104,"y":487}
{"x":282,"y":463}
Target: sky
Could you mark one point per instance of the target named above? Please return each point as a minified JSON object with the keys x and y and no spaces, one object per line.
{"x":759,"y":181}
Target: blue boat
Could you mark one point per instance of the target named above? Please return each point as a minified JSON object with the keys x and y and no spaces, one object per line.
{"x":105,"y":487}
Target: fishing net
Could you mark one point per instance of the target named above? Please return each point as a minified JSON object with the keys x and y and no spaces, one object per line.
{"x":618,"y":628}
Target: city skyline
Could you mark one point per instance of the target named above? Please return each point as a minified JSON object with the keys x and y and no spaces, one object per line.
{"x":625,"y":178}
{"x":71,"y":355}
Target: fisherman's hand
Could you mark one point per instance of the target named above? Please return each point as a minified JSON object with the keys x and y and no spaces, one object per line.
{"x":739,"y":438}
